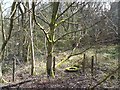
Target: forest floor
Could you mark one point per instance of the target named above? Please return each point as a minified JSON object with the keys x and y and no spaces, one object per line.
{"x":66,"y":79}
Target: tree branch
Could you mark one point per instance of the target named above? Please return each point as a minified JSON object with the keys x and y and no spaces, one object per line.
{"x":13,"y":11}
{"x":92,"y":88}
{"x":13,"y":85}
{"x":34,"y":18}
{"x":71,"y":56}
{"x":77,"y":30}
{"x":42,"y":19}
{"x":65,"y":10}
{"x":63,"y":20}
{"x":54,"y":12}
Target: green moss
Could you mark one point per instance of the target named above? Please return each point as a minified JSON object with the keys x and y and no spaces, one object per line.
{"x":53,"y":75}
{"x":3,"y":80}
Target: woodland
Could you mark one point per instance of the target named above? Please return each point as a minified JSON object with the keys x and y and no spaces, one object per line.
{"x":59,"y":45}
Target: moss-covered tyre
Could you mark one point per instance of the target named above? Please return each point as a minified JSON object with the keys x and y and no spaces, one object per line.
{"x":71,"y":69}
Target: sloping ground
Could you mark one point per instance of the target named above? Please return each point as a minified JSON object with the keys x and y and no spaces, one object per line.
{"x":68,"y":80}
{"x":72,"y":80}
{"x":105,"y":65}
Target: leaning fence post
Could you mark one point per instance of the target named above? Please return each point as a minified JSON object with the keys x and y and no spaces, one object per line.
{"x":92,"y":69}
{"x":14,"y":66}
{"x":54,"y":65}
{"x":92,"y":65}
{"x":83,"y":63}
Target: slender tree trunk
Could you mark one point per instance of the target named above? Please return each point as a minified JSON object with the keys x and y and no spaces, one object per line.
{"x":3,"y":32}
{"x":25,"y":47}
{"x":32,"y":43}
{"x":25,"y":52}
{"x":118,"y":47}
{"x":45,"y":47}
{"x":13,"y":11}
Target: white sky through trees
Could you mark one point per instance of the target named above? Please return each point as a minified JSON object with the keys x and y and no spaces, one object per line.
{"x":7,"y":3}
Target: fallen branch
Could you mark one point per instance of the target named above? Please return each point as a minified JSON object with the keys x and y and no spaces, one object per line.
{"x":71,"y":56}
{"x":15,"y":84}
{"x":92,"y":88}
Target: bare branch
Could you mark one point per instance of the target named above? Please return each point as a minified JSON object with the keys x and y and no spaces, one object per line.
{"x":34,"y":18}
{"x":13,"y":11}
{"x":63,"y":20}
{"x":78,"y":30}
{"x":54,"y":13}
{"x":15,"y":84}
{"x":92,"y":88}
{"x":42,"y":19}
{"x":71,"y":56}
{"x":65,"y":10}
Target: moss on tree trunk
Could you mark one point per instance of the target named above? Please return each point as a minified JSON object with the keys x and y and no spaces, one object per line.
{"x":49,"y":58}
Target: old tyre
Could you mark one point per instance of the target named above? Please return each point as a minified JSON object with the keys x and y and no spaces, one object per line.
{"x":71,"y":69}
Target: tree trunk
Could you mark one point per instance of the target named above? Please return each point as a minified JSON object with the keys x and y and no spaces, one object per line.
{"x":50,"y":51}
{"x":54,"y":65}
{"x":1,"y":54}
{"x":32,"y":43}
{"x":13,"y":11}
{"x":26,"y":41}
{"x":25,"y":49}
{"x":49,"y":58}
{"x":50,"y":42}
{"x":3,"y":37}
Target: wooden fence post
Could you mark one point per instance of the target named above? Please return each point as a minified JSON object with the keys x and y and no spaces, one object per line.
{"x":54,"y":65}
{"x":83,"y":63}
{"x":92,"y":68}
{"x":92,"y":65}
{"x":14,"y":66}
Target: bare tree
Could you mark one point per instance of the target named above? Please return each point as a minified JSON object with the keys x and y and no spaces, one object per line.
{"x":13,"y":11}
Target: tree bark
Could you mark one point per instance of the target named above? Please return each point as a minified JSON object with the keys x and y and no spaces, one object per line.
{"x":13,"y":11}
{"x":32,"y":43}
{"x":49,"y":59}
{"x":50,"y":42}
{"x":26,"y":41}
{"x":54,"y":65}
